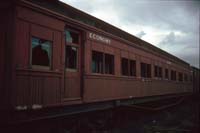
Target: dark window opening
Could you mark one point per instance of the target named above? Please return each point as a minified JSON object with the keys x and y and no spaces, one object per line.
{"x":97,"y":62}
{"x":173,"y":75}
{"x":160,"y":72}
{"x":166,"y":74}
{"x":185,"y":77}
{"x":71,"y":57}
{"x":124,"y":66}
{"x":157,"y":71}
{"x":145,"y":70}
{"x":72,"y":37}
{"x":190,"y":78}
{"x":132,"y":68}
{"x":41,"y":52}
{"x":180,"y":76}
{"x":148,"y":70}
{"x":109,"y":64}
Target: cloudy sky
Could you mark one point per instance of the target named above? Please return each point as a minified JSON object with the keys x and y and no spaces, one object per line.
{"x":172,"y":25}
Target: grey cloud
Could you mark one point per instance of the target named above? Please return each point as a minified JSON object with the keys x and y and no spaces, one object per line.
{"x":141,"y":34}
{"x":168,"y":40}
{"x":169,"y":16}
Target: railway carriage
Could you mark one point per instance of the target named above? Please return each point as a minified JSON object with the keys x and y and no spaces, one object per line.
{"x":53,"y":55}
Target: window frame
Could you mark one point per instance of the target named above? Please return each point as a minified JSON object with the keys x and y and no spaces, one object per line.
{"x":166,"y":73}
{"x":185,"y":77}
{"x":103,"y":63}
{"x":134,"y":69}
{"x":123,"y":58}
{"x":173,"y":75}
{"x":180,"y":76}
{"x":158,"y":71}
{"x":77,"y":59}
{"x":31,"y":55}
{"x":112,"y":64}
{"x":101,"y":71}
{"x":74,"y":31}
{"x":76,"y":45}
{"x":147,"y":70}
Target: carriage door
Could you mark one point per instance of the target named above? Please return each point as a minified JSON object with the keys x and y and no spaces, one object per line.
{"x":72,"y":73}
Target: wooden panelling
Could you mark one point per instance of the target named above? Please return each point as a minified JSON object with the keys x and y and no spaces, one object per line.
{"x":124,"y":54}
{"x":57,"y":51}
{"x":72,"y":87}
{"x":40,"y":19}
{"x":109,"y":50}
{"x":37,"y":89}
{"x":107,"y":88}
{"x":2,"y":66}
{"x":41,"y":32}
{"x":22,"y":44}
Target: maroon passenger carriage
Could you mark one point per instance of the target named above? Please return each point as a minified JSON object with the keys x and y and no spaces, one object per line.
{"x":53,"y":56}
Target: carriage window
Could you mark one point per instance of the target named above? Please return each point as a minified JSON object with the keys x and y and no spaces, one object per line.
{"x":109,"y":64}
{"x":173,"y":75}
{"x":185,"y":77}
{"x":158,"y":71}
{"x":71,"y":57}
{"x":132,"y":68}
{"x":190,"y":78}
{"x":124,"y":66}
{"x":180,"y":76}
{"x":72,"y":37}
{"x":145,"y":70}
{"x":148,"y":70}
{"x":97,"y":62}
{"x":166,"y":74}
{"x":41,"y":52}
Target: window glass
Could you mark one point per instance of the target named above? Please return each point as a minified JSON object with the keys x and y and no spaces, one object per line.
{"x":41,"y":52}
{"x":109,"y":64}
{"x":72,"y":37}
{"x":160,"y":72}
{"x":71,"y":57}
{"x":132,"y":68}
{"x":148,"y":70}
{"x":166,"y":74}
{"x":156,"y":71}
{"x":124,"y":66}
{"x":180,"y":76}
{"x":145,"y":70}
{"x":97,"y":62}
{"x":173,"y":75}
{"x":185,"y":77}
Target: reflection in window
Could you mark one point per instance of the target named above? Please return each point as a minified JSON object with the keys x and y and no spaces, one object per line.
{"x":72,"y":37}
{"x":124,"y":66}
{"x":41,"y":52}
{"x":97,"y":62}
{"x":71,"y":57}
{"x":109,"y":64}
